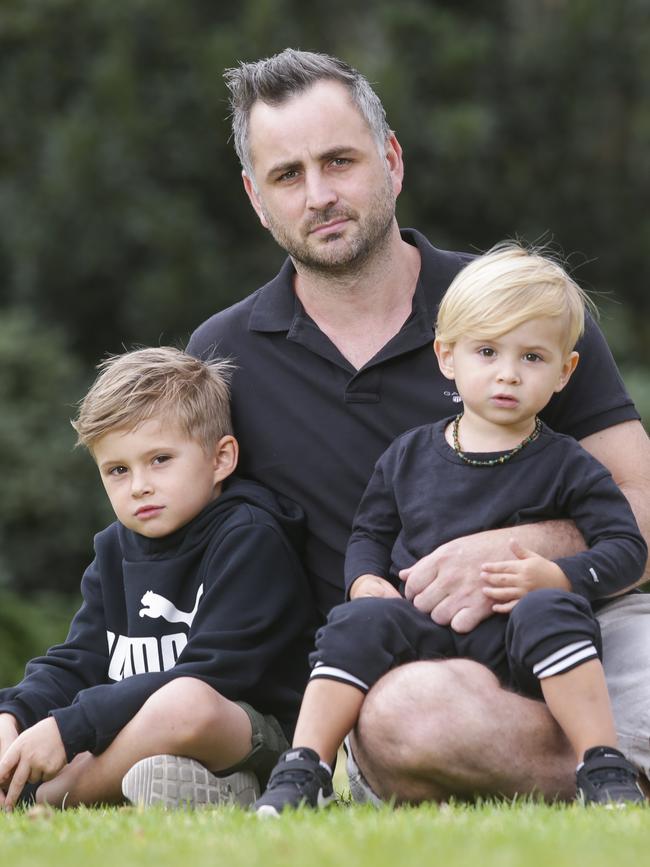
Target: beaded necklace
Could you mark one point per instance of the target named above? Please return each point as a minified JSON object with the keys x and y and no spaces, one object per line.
{"x":493,"y":461}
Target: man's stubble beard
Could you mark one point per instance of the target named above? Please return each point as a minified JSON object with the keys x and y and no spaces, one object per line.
{"x":370,"y":237}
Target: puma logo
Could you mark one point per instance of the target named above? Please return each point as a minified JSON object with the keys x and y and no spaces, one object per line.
{"x":157,"y":606}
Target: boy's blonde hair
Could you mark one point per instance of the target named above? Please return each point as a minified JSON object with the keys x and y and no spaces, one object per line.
{"x":506,"y":287}
{"x":163,"y":382}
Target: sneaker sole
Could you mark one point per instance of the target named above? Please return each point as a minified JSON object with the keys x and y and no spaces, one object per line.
{"x":267,"y":812}
{"x":174,"y":781}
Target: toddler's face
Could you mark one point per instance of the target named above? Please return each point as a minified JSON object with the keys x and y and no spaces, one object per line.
{"x":510,"y":378}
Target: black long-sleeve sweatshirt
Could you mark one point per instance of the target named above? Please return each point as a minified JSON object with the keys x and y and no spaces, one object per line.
{"x":422,"y":494}
{"x":223,"y":599}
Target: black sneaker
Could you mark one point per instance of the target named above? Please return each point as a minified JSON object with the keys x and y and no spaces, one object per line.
{"x":298,"y":779}
{"x":606,"y":777}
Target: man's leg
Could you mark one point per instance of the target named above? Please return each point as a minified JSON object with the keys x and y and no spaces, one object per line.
{"x":186,"y":718}
{"x":625,"y":628}
{"x":435,"y":730}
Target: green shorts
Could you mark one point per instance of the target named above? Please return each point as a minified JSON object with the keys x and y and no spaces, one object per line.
{"x":269,"y":742}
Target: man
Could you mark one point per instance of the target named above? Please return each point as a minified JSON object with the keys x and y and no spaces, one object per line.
{"x":335,"y":360}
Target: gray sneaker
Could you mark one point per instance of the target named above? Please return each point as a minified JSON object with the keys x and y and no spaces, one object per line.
{"x":175,"y":781}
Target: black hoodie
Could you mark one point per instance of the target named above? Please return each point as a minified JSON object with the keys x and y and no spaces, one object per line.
{"x":223,"y":599}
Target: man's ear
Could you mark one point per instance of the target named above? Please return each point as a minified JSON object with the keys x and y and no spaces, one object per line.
{"x":226,"y":455}
{"x":570,"y":364}
{"x":393,"y":154}
{"x":445,"y":355}
{"x":254,"y":199}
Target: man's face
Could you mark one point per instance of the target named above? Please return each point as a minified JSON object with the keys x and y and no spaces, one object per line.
{"x":323,"y":186}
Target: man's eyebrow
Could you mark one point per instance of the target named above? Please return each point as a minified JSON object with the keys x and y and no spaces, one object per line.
{"x":338,"y":151}
{"x":281,"y":168}
{"x":330,"y":154}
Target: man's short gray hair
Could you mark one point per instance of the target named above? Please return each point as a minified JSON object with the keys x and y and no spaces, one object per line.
{"x":276,"y":79}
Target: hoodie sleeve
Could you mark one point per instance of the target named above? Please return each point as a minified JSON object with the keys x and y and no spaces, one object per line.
{"x":617,"y":553}
{"x":53,"y":680}
{"x":251,"y":611}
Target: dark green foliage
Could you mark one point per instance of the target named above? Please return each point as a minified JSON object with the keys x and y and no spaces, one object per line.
{"x":121,"y":203}
{"x":124,"y":220}
{"x":51,"y":502}
{"x":27,"y":629}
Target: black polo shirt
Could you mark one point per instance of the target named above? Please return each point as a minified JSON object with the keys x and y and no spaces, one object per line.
{"x":311,"y":426}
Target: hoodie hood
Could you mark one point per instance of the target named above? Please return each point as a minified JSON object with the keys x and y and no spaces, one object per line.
{"x":235,"y":494}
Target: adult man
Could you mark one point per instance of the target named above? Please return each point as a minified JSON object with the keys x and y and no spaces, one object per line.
{"x":335,"y":360}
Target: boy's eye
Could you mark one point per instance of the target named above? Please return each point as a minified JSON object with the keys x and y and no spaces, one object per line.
{"x":486,"y":351}
{"x":161,"y":459}
{"x":532,"y":356}
{"x":117,"y":471}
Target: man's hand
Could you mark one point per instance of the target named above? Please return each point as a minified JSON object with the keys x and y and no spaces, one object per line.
{"x":510,"y":580}
{"x":446,"y":583}
{"x":35,"y":755}
{"x":372,"y":585}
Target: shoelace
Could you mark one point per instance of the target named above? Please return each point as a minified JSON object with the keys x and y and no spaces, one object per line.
{"x":299,"y":774}
{"x":602,"y":774}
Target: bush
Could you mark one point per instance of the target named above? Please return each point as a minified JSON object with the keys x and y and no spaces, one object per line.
{"x":51,"y":502}
{"x":27,"y":629}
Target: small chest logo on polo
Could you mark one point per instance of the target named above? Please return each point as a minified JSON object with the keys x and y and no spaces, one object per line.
{"x":454,"y":396}
{"x":142,"y":654}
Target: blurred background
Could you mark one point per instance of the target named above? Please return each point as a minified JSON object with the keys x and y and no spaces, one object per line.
{"x":123,"y":220}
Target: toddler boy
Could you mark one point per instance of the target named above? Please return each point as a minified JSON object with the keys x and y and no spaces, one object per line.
{"x":505,"y":333}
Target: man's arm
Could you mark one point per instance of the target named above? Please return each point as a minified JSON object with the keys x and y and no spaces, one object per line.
{"x":625,"y":451}
{"x":447,"y":584}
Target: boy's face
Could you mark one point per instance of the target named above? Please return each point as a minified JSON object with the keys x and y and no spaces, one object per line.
{"x":507,"y":380}
{"x":158,"y":479}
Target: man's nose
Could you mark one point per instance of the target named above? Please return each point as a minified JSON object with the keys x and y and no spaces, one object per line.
{"x":319,"y":191}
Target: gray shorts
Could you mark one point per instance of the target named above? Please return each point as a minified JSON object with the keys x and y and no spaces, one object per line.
{"x":625,"y":627}
{"x":359,"y":786}
{"x":269,"y":742}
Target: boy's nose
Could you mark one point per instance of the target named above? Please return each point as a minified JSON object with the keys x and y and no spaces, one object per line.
{"x":141,"y":486}
{"x":509,"y":373}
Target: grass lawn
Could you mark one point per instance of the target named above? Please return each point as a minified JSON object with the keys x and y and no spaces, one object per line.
{"x":348,"y":836}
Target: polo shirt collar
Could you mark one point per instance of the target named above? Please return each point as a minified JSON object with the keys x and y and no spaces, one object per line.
{"x":277,"y":305}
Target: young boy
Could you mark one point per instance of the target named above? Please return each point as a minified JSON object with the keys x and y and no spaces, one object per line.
{"x":196,"y":623}
{"x":505,"y":334}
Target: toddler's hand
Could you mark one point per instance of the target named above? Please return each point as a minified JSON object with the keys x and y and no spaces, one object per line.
{"x":372,"y":585}
{"x":510,"y":580}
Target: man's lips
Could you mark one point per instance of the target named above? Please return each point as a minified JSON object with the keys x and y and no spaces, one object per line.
{"x":148,"y":511}
{"x":331,"y":226}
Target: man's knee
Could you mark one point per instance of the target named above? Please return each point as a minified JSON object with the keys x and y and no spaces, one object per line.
{"x":432,"y":730}
{"x":414,"y":713}
{"x":424,"y":693}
